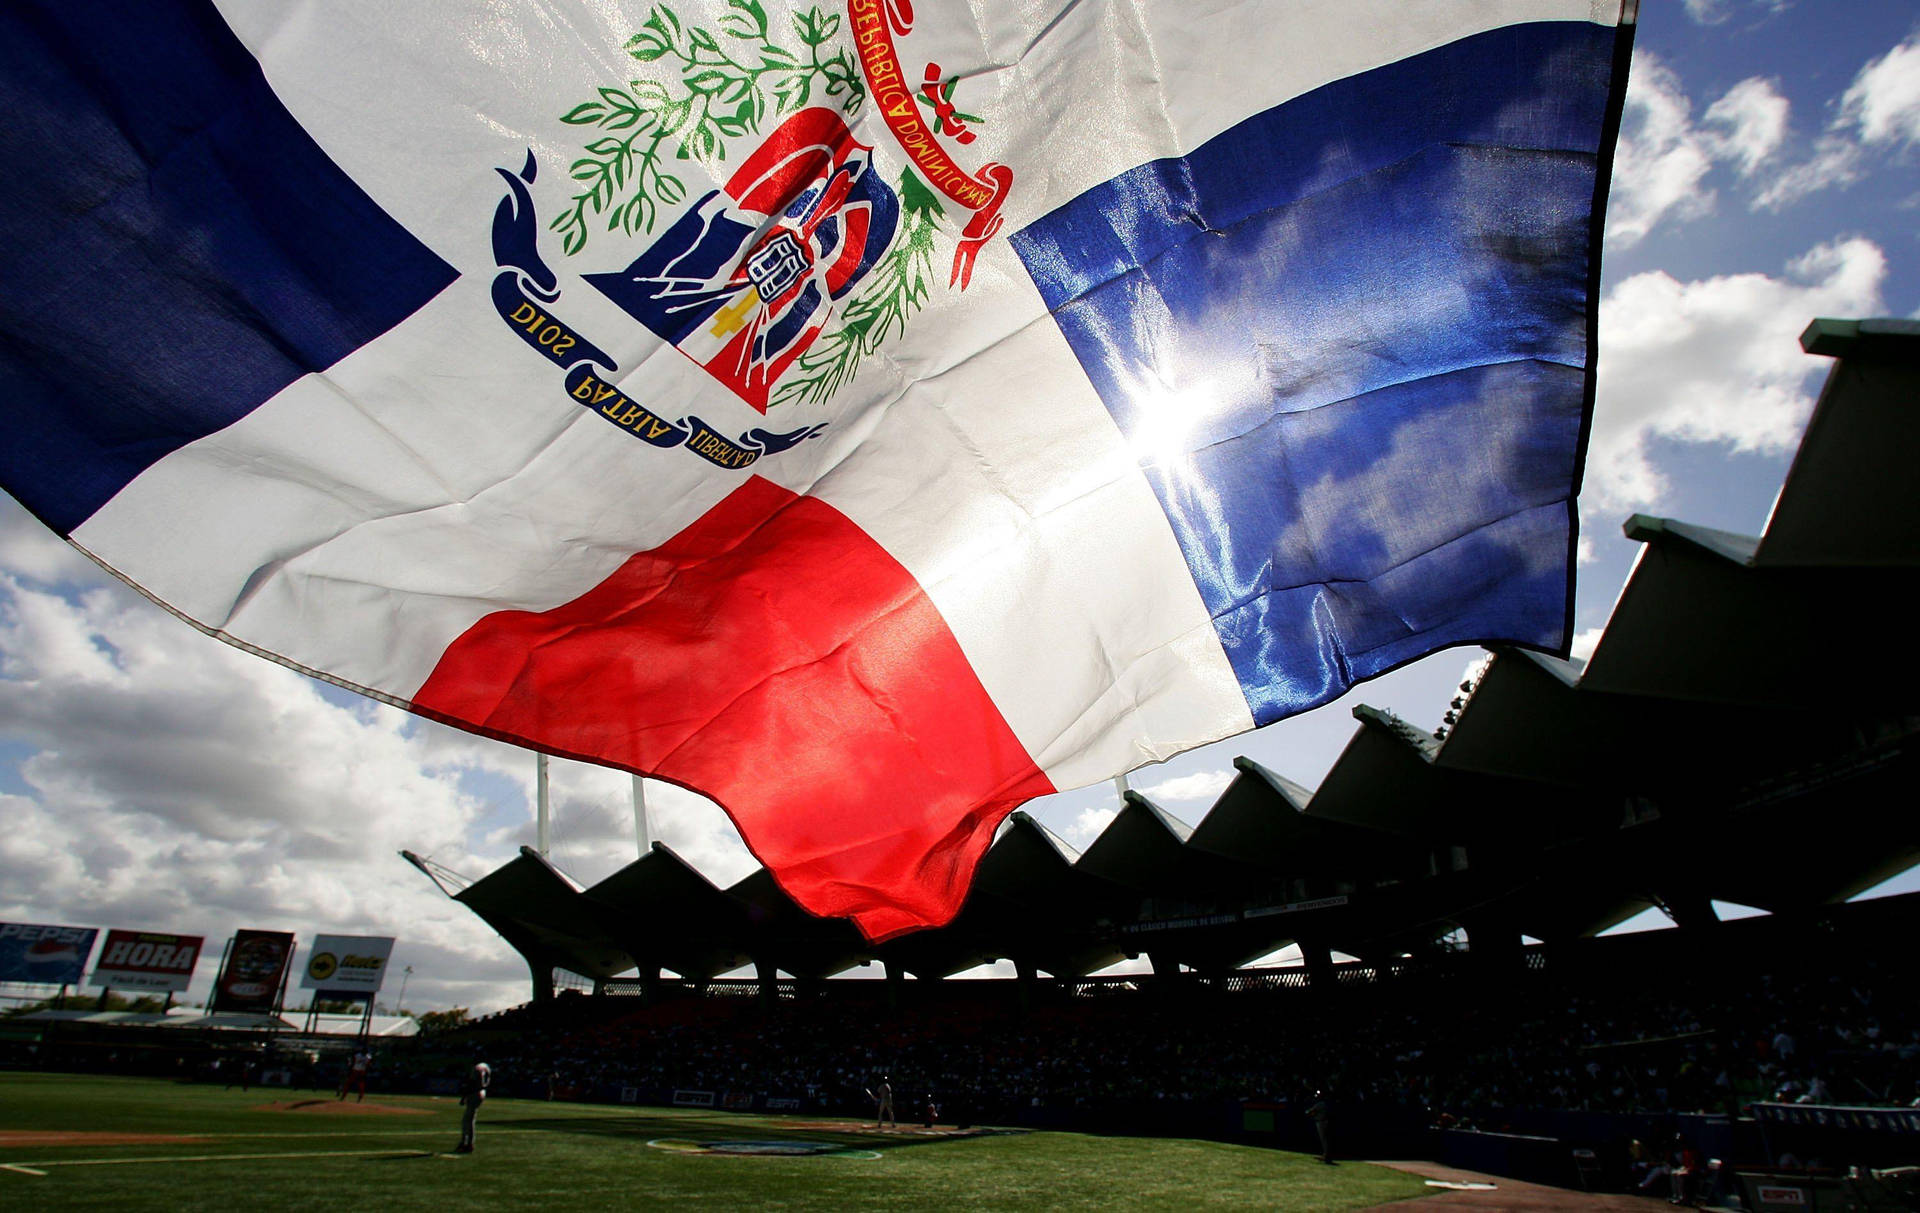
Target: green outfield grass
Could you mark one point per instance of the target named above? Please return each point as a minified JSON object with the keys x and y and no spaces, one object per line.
{"x":248,"y":1155}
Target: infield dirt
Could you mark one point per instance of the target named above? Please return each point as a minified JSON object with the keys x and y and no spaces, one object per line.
{"x":81,"y":1137}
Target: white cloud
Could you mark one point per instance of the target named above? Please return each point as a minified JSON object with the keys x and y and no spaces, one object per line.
{"x":593,"y":828}
{"x":1660,"y":160}
{"x":176,"y":783}
{"x":1883,"y":102}
{"x":180,"y":784}
{"x":1200,"y":786}
{"x":1087,"y":826}
{"x":1663,"y":157}
{"x":1713,"y":12}
{"x":1715,"y":360}
{"x":1752,"y":118}
{"x":1475,"y":668}
{"x":1836,"y":160}
{"x":1880,"y":109}
{"x":1584,"y":643}
{"x":32,"y":551}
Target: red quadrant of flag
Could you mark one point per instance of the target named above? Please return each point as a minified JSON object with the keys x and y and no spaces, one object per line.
{"x":756,"y":657}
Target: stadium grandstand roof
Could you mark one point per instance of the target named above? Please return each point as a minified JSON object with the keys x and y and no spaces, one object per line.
{"x":1743,"y":732}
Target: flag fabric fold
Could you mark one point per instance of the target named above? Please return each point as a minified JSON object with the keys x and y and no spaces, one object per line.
{"x":869,"y":417}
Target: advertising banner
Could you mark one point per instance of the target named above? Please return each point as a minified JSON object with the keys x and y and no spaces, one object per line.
{"x":147,"y":960}
{"x":348,"y":964}
{"x":251,"y":980}
{"x":44,"y":955}
{"x":1838,"y":1116}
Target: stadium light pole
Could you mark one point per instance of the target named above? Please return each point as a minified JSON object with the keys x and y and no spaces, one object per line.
{"x":640,"y":824}
{"x":542,"y":813}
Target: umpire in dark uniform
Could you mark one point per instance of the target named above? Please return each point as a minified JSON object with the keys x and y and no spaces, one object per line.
{"x":473,"y":1093}
{"x":1321,"y":1113}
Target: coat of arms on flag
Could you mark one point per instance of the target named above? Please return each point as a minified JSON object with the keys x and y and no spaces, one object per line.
{"x":806,"y":260}
{"x":741,"y":282}
{"x":809,"y":258}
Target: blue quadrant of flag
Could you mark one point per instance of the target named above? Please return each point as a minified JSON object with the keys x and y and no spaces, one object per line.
{"x":167,"y":213}
{"x":1371,"y":295}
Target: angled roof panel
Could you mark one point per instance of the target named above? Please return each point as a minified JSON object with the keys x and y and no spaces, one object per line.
{"x":1033,"y":904}
{"x":1694,"y":624}
{"x":1390,"y":778}
{"x":1027,"y":861}
{"x":703,"y":925}
{"x":1139,"y":848}
{"x":1728,"y":545}
{"x":1254,"y":818}
{"x":1820,"y":834}
{"x":1851,"y":497}
{"x":1266,"y":819}
{"x":1383,"y":781}
{"x":539,"y":911}
{"x":782,"y":934}
{"x":1525,"y":720}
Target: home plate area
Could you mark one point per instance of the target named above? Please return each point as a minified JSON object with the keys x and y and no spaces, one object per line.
{"x":865,"y":1130}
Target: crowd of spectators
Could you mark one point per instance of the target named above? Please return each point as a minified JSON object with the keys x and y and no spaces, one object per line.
{"x":1469,"y":1049}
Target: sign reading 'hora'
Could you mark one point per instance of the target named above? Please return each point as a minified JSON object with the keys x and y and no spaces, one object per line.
{"x":147,"y":960}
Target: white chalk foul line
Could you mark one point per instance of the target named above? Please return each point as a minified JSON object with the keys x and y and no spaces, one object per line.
{"x":128,"y":1162}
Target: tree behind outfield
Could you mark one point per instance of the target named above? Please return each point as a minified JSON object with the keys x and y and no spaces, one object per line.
{"x":441,"y":1021}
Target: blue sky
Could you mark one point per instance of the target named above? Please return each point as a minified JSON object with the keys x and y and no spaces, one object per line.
{"x":149,"y":777}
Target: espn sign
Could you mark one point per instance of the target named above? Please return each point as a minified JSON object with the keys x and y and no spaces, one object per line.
{"x":147,"y":960}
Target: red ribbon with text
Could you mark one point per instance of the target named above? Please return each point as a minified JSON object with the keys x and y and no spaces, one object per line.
{"x":876,"y":23}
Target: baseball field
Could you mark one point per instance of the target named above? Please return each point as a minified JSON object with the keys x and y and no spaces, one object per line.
{"x":72,"y":1142}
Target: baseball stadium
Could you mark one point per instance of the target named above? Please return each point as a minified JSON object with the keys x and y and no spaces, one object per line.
{"x":882,"y":429}
{"x":1458,"y":1028}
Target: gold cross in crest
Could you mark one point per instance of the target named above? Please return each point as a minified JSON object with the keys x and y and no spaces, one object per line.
{"x":729,"y":319}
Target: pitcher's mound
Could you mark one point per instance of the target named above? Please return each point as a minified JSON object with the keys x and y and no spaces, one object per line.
{"x":338,"y":1107}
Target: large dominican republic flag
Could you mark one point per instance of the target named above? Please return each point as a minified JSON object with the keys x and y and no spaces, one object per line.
{"x":870,"y":417}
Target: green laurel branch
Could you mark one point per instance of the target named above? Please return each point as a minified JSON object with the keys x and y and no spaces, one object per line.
{"x":728,"y":83}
